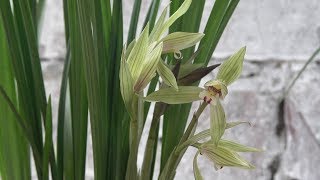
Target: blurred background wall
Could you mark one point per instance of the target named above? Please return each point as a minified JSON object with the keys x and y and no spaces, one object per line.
{"x":280,"y":35}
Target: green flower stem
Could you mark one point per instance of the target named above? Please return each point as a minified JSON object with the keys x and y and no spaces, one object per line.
{"x":135,"y":135}
{"x":175,"y":156}
{"x":193,"y":122}
{"x":146,"y":171}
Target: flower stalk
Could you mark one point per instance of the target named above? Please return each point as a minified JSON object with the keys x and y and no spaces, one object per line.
{"x":146,"y":170}
{"x":175,"y":156}
{"x":136,"y":124}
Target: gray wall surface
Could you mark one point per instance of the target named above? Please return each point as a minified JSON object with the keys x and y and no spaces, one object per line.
{"x":280,"y":35}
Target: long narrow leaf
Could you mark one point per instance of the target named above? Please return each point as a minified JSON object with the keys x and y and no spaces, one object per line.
{"x":14,"y":151}
{"x":48,"y":141}
{"x":61,"y":115}
{"x":134,"y":20}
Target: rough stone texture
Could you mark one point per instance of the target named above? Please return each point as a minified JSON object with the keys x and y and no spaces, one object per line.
{"x":280,"y":35}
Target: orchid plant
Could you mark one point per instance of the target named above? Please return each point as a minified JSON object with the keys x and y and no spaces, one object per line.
{"x":139,"y":64}
{"x":111,"y":87}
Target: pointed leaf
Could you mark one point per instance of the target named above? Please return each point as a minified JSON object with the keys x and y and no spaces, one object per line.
{"x":196,"y":171}
{"x":167,"y":75}
{"x":185,"y":94}
{"x":138,"y":54}
{"x":134,"y":20}
{"x":236,"y":146}
{"x":149,"y":68}
{"x":180,"y":40}
{"x":231,"y":69}
{"x":48,"y":140}
{"x":217,"y":122}
{"x":152,"y":14}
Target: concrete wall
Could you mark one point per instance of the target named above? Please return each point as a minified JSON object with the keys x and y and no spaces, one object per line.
{"x":280,"y":35}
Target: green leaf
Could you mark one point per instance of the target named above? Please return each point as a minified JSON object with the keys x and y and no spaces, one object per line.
{"x":196,"y":170}
{"x":221,"y":157}
{"x":185,"y":94}
{"x":48,"y":140}
{"x":217,"y":122}
{"x":138,"y":54}
{"x":236,"y":146}
{"x":231,"y":69}
{"x":218,"y":19}
{"x":152,"y":13}
{"x":190,"y":22}
{"x":167,"y":75}
{"x":134,"y":20}
{"x":61,"y":115}
{"x":89,"y":30}
{"x":149,"y":68}
{"x":14,"y":151}
{"x":180,"y":40}
{"x":20,"y":33}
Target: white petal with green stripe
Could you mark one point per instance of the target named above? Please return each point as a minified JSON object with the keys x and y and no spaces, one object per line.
{"x":149,"y":68}
{"x":236,"y":146}
{"x":180,"y":40}
{"x":138,"y":54}
{"x":129,"y":49}
{"x":167,"y":75}
{"x":231,"y":69}
{"x":217,"y":122}
{"x":185,"y":94}
{"x":183,"y":9}
{"x":155,"y":33}
{"x":196,"y":170}
{"x":221,"y":156}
